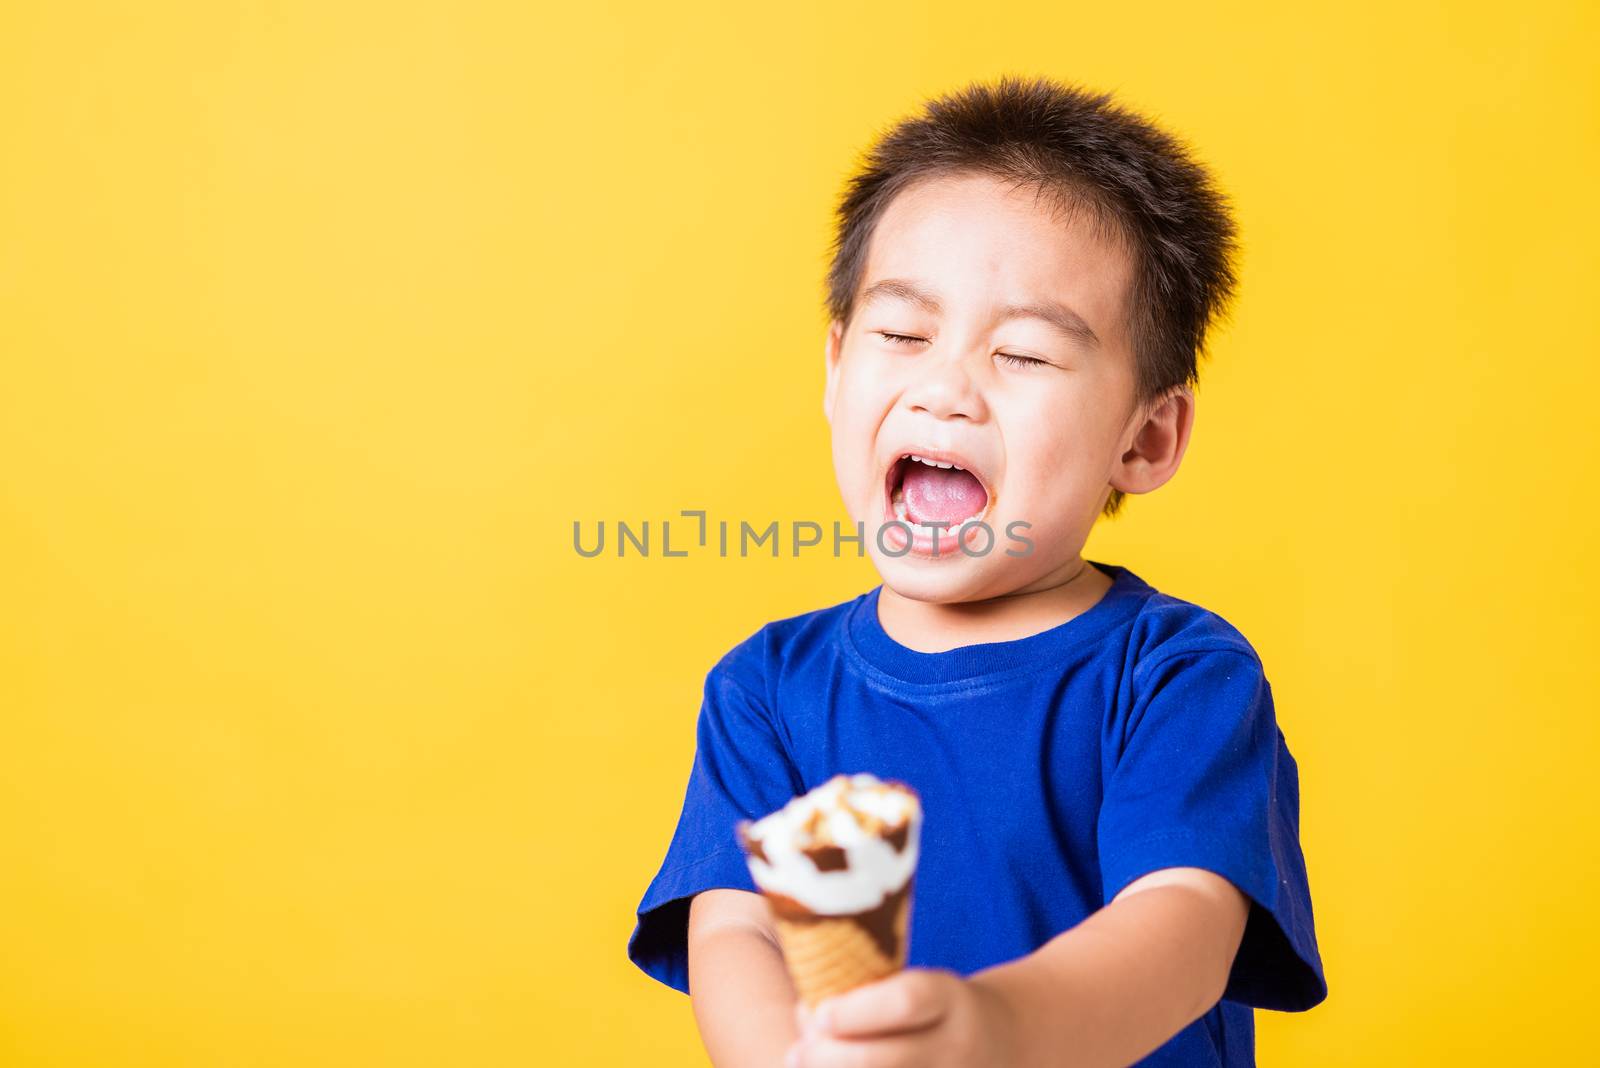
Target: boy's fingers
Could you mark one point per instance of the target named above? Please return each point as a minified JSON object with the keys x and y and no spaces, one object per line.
{"x":906,"y":1001}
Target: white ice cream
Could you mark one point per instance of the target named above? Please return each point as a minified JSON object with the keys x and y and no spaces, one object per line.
{"x":857,"y":814}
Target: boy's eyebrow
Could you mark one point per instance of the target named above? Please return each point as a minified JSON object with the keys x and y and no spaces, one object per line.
{"x":1063,"y":318}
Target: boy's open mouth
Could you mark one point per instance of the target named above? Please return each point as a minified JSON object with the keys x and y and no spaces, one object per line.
{"x":933,"y":489}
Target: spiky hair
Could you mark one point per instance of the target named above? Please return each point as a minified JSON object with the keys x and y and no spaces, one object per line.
{"x":1139,"y":184}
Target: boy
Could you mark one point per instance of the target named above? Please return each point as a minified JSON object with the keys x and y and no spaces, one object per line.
{"x":1111,"y":870}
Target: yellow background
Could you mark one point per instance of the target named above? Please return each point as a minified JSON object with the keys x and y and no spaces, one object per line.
{"x":322,"y":322}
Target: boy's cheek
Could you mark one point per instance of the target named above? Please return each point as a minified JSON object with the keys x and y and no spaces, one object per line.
{"x":853,"y":460}
{"x":855,"y":492}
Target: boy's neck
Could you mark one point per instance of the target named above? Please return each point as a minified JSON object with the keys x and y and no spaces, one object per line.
{"x":927,"y":627}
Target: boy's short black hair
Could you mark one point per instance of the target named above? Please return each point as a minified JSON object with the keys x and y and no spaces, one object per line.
{"x":1138,"y":183}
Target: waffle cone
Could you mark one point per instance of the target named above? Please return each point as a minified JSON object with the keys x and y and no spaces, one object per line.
{"x":828,"y":955}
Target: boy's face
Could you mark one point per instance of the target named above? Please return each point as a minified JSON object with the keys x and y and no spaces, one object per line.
{"x":987,"y":333}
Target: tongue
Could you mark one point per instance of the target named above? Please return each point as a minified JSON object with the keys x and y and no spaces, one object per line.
{"x":938,"y":493}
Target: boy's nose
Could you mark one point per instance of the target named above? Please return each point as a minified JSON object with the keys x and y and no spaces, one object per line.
{"x":944,"y":389}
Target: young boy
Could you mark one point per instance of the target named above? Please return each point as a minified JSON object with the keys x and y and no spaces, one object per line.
{"x":1111,"y":870}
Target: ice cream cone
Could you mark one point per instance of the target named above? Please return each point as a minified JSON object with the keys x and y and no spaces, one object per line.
{"x":828,"y":955}
{"x":837,"y":866}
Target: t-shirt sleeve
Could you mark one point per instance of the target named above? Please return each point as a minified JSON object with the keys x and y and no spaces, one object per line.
{"x":741,"y":770}
{"x":1205,"y":780}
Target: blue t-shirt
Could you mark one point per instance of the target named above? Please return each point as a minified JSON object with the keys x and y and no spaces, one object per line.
{"x":1054,"y":770}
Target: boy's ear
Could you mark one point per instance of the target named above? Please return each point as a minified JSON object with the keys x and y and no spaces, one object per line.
{"x":1156,"y":443}
{"x":830,"y":354}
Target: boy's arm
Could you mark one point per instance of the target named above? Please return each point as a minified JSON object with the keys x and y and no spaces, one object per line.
{"x":743,"y":999}
{"x":1132,"y":975}
{"x":1109,"y":991}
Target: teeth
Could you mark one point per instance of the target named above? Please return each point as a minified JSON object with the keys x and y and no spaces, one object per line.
{"x":936,"y":463}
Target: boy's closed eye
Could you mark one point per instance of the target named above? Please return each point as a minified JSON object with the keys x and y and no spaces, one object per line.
{"x":1015,"y":359}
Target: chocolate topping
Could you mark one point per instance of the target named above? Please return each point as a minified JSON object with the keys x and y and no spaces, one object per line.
{"x":815,"y":824}
{"x":879,"y":922}
{"x":751,"y":845}
{"x":897,"y":836}
{"x":827,"y":857}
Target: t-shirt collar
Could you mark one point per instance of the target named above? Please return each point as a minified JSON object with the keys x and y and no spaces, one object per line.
{"x":868,"y":640}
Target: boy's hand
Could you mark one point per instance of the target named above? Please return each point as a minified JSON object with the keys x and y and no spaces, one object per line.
{"x":920,"y":1016}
